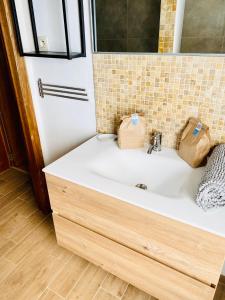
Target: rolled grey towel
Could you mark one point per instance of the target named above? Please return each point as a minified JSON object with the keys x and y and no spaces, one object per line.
{"x":211,"y":191}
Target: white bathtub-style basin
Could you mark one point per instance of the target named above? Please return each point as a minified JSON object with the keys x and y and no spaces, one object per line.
{"x":172,"y":184}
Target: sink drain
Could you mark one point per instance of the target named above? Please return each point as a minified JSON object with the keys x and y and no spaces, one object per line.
{"x":141,"y":186}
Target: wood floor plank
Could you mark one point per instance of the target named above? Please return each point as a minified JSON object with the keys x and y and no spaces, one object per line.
{"x":69,"y":276}
{"x":7,"y":211}
{"x":104,"y":295}
{"x":50,"y":295}
{"x":35,"y":272}
{"x":133,"y":293}
{"x":5,"y":246}
{"x":114,"y":285}
{"x":6,"y":267}
{"x":10,"y":174}
{"x":10,"y":185}
{"x":88,"y":284}
{"x":31,"y":243}
{"x":11,"y":196}
{"x":30,"y":224}
{"x":17,"y":220}
{"x":33,"y":275}
{"x":28,"y":195}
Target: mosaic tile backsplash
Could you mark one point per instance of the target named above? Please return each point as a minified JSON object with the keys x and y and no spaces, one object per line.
{"x":167,"y":89}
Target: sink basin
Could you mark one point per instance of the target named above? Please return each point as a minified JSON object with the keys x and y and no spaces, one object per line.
{"x":164,"y":173}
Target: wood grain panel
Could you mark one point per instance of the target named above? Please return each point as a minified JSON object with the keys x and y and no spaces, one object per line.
{"x":141,"y":271}
{"x":192,"y":251}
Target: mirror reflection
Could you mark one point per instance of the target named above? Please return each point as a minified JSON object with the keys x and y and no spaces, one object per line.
{"x":127,"y":26}
{"x":159,"y":26}
{"x":203,"y":27}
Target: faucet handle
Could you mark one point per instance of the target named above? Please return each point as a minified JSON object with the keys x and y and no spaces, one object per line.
{"x":157,"y":134}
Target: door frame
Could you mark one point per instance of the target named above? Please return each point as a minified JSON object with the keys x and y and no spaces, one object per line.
{"x":24,"y":100}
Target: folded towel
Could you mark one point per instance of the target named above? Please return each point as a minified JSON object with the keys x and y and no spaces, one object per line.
{"x":212,"y":187}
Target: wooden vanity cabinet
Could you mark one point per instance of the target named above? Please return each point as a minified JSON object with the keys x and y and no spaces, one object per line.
{"x":168,"y":259}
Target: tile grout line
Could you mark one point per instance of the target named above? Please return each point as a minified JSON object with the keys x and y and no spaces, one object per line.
{"x":46,"y":289}
{"x":55,"y":293}
{"x":125,"y":291}
{"x":47,"y":286}
{"x":108,"y":292}
{"x":100,"y":286}
{"x":104,"y":279}
{"x":82,"y":273}
{"x":57,"y":273}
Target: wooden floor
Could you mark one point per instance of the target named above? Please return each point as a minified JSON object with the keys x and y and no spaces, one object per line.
{"x":33,"y":266}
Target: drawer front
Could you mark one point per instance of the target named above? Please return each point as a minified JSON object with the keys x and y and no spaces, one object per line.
{"x":189,"y":250}
{"x":144,"y":273}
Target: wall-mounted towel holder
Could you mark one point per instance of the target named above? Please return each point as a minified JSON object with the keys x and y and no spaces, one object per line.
{"x":62,"y":91}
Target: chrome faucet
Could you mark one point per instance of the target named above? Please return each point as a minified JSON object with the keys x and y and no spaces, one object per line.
{"x":156,"y":142}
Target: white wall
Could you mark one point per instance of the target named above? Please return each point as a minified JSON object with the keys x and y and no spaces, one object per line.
{"x":64,"y":123}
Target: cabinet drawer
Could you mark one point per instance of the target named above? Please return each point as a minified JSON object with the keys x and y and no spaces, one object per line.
{"x":182,"y":247}
{"x":154,"y":278}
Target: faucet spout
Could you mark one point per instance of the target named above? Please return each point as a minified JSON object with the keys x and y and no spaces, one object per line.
{"x":157,"y":142}
{"x":150,"y":149}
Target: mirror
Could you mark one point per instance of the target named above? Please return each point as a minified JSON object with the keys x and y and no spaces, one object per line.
{"x":203,"y":27}
{"x":127,"y":26}
{"x":159,"y":26}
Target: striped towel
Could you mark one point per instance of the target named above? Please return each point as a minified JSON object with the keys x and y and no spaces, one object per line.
{"x":212,"y":187}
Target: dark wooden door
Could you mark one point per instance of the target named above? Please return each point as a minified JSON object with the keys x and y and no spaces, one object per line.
{"x":11,"y":132}
{"x":4,"y":162}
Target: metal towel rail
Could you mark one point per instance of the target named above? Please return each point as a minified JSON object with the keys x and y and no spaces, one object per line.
{"x":60,"y":91}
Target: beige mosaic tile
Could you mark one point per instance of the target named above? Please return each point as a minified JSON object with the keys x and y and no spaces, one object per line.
{"x":167,"y":89}
{"x":167,"y":25}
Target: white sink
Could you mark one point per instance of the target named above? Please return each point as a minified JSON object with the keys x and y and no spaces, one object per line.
{"x":172,"y":184}
{"x":164,"y":173}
